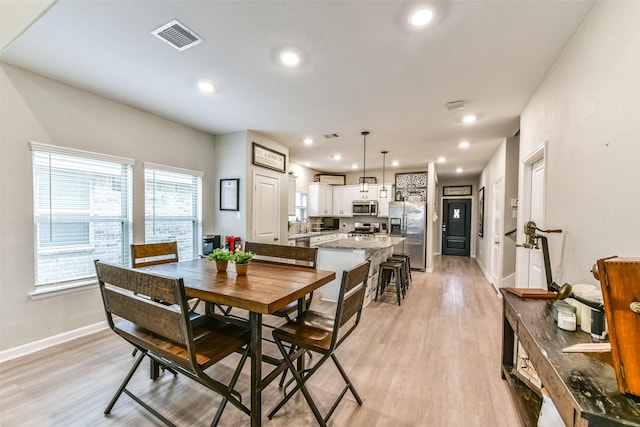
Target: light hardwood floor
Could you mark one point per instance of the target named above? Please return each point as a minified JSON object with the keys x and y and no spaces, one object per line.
{"x":434,"y":361}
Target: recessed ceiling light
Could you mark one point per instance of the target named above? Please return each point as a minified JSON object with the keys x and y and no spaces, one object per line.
{"x":470,"y":118}
{"x":308,"y":141}
{"x":459,"y":170}
{"x":420,"y":17}
{"x":464,"y":144}
{"x":441,"y":159}
{"x":205,"y":86}
{"x":395,"y":163}
{"x":307,"y":164}
{"x":290,"y":57}
{"x":354,"y":166}
{"x":337,"y":157}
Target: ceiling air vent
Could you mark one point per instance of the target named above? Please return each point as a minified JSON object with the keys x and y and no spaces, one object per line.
{"x":177,"y":35}
{"x":331,"y":135}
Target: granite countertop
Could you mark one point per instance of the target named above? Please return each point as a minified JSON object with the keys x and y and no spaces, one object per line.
{"x":312,"y":233}
{"x":362,"y":242}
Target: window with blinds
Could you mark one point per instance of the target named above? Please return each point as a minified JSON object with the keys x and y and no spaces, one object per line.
{"x":173,"y":208}
{"x":82,"y":212}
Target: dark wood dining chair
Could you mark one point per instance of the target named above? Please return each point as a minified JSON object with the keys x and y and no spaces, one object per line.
{"x":146,"y":254}
{"x":323,"y":334}
{"x":166,"y":333}
{"x":281,"y":254}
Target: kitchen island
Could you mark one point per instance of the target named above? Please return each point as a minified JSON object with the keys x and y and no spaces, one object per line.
{"x":338,"y":255}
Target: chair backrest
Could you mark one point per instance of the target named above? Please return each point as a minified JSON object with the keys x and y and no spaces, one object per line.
{"x":351,"y":298}
{"x":275,"y":253}
{"x":146,"y":254}
{"x":132,"y":295}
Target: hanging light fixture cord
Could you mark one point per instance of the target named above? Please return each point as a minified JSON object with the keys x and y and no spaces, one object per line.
{"x":383,"y":191}
{"x":364,"y":187}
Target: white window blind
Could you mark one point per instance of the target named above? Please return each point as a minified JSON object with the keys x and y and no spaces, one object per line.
{"x":82,"y":212}
{"x":173,"y":208}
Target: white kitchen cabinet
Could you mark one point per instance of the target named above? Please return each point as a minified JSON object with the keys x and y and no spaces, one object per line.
{"x":372,"y":194}
{"x":320,"y":200}
{"x":383,"y":204}
{"x":314,"y":240}
{"x":342,"y":200}
{"x":291,"y":200}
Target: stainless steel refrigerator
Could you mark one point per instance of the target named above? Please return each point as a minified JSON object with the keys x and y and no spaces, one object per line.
{"x":409,"y":220}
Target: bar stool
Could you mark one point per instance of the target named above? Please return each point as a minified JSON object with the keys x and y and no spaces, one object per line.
{"x":404,"y":271}
{"x":408,"y":258}
{"x":387,"y":268}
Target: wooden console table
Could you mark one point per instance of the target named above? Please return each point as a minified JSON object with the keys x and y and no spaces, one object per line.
{"x":583,"y":387}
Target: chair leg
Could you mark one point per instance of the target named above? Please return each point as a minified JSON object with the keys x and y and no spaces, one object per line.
{"x":300,"y":385}
{"x":346,"y":379}
{"x":123,"y":386}
{"x":232,"y":384}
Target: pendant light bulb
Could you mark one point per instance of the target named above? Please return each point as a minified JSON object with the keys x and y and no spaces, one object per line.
{"x":383,"y":190}
{"x":364,"y":185}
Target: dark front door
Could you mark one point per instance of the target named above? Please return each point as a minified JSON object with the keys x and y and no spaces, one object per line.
{"x":456,"y":227}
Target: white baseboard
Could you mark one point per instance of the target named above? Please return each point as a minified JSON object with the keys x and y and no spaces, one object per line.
{"x":34,"y":346}
{"x":486,"y":274}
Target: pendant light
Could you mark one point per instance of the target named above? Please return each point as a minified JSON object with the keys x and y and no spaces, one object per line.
{"x":383,"y":190}
{"x":364,"y":185}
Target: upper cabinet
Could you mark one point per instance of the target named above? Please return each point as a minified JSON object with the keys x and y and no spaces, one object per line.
{"x":372,"y":194}
{"x":342,"y":200}
{"x":320,"y":199}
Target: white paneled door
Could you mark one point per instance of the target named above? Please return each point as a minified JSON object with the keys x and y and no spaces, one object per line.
{"x":496,"y":235}
{"x":537,"y":275}
{"x":266,"y":209}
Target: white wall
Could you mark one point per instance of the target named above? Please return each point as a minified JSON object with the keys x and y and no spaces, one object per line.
{"x":230,"y":163}
{"x":494,"y":171}
{"x":35,"y":108}
{"x":587,"y":110}
{"x":510,"y":222}
{"x":304,"y":175}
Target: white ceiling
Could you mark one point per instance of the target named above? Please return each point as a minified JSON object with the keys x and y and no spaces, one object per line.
{"x":364,"y":70}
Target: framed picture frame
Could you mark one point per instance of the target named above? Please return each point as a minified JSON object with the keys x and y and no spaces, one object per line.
{"x":368,"y":179}
{"x":457,"y":190}
{"x":331,"y":179}
{"x":481,"y":212}
{"x":230,"y":194}
{"x":268,"y":158}
{"x":411,"y":186}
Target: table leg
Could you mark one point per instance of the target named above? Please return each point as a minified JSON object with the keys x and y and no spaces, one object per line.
{"x":508,"y":342}
{"x":300,"y":361}
{"x":154,"y":369}
{"x":255,"y":324}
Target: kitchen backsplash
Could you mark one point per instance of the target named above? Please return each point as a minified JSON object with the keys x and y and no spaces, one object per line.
{"x":348,"y":224}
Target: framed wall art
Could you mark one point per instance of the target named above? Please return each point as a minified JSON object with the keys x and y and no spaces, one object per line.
{"x":457,"y":190}
{"x":268,"y":158}
{"x":230,"y":194}
{"x":331,"y":179}
{"x":411,"y":186}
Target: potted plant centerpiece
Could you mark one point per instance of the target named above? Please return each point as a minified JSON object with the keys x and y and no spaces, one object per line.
{"x":222,"y":258}
{"x":242,"y":259}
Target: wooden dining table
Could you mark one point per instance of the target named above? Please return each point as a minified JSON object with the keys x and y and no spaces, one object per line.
{"x":266,"y":288}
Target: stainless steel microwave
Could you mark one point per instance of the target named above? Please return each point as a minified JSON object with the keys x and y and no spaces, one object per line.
{"x":365,"y":207}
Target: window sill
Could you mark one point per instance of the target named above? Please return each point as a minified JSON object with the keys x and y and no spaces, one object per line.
{"x":42,"y":292}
